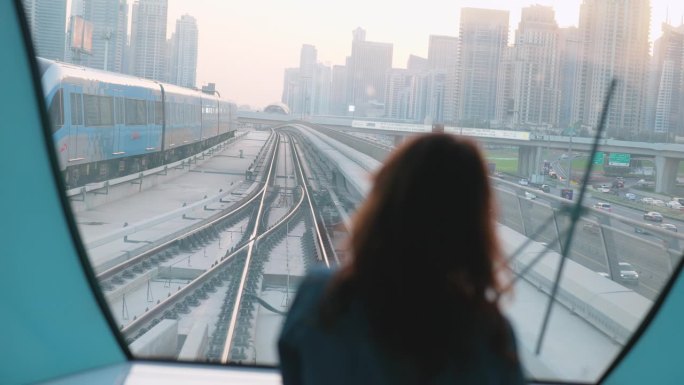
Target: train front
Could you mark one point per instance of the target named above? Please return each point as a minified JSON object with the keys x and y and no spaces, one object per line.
{"x":51,"y":79}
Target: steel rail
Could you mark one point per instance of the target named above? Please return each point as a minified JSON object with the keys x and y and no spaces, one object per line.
{"x":140,"y":257}
{"x":169,"y":302}
{"x":250,"y":248}
{"x":319,"y":236}
{"x":187,"y":289}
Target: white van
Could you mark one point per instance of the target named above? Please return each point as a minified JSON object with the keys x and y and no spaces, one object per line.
{"x":602,"y":206}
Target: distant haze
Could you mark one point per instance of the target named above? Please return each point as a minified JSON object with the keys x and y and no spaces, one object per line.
{"x":245,"y":47}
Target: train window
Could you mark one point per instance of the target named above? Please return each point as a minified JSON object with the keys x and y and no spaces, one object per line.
{"x":91,"y":107}
{"x":120,"y":111}
{"x":106,"y":110}
{"x":56,"y":110}
{"x":141,"y":112}
{"x":136,"y":113}
{"x":150,"y":112}
{"x":76,"y":108}
{"x":159,"y":112}
{"x":527,"y":82}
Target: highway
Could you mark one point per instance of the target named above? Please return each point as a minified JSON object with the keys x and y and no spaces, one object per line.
{"x":647,"y":253}
{"x":651,"y":255}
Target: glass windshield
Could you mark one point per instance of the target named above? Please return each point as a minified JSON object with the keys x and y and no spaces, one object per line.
{"x":214,"y":152}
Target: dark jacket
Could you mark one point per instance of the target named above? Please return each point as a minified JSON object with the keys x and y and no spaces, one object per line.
{"x":345,"y":354}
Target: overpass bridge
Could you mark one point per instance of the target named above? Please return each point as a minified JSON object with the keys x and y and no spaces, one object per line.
{"x":666,"y":156}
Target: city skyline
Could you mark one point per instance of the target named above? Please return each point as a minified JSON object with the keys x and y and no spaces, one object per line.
{"x":257,"y":79}
{"x":254,"y":76}
{"x":550,"y":79}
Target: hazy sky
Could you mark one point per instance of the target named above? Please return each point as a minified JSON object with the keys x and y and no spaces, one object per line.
{"x":244,"y":46}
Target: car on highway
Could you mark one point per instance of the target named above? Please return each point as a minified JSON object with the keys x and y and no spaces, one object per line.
{"x":647,"y":200}
{"x":603,"y":190}
{"x":658,"y":202}
{"x":674,"y":205}
{"x":524,"y":182}
{"x":653,"y":216}
{"x":553,"y":175}
{"x":669,"y":227}
{"x":603,"y":274}
{"x":627,"y":274}
{"x":631,"y":196}
{"x":529,"y":195}
{"x":619,"y":182}
{"x":545,"y":188}
{"x":643,"y":183}
{"x":602,"y":206}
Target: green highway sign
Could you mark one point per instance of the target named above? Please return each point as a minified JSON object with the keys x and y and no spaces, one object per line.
{"x":619,"y":159}
{"x":598,"y":157}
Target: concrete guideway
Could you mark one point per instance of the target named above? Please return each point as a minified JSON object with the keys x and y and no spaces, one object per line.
{"x":666,"y":155}
{"x":576,"y":348}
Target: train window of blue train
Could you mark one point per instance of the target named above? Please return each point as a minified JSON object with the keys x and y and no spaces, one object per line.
{"x":120,"y":111}
{"x":91,"y":107}
{"x":76,"y":100}
{"x":56,"y":110}
{"x":526,"y":82}
{"x":150,"y":112}
{"x":158,"y":113}
{"x":106,"y":110}
{"x":136,"y":113}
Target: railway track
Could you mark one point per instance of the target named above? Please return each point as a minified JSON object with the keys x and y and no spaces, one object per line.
{"x":150,"y":256}
{"x":236,"y":276}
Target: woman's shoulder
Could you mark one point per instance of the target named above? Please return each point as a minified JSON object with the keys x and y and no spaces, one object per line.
{"x":313,"y":286}
{"x":304,"y":309}
{"x":308,"y":298}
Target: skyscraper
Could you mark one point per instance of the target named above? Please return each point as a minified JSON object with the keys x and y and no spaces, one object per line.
{"x":109,"y":19}
{"x":47,"y":22}
{"x":569,"y":60}
{"x":338,"y":91}
{"x":148,"y":39}
{"x":368,"y":66}
{"x":306,"y":97}
{"x":290,"y":84}
{"x":443,"y":57}
{"x":614,"y":37}
{"x":534,"y":92}
{"x":506,"y":115}
{"x":307,"y":89}
{"x":417,"y":63}
{"x":666,"y":83}
{"x":483,"y":37}
{"x":322,"y":89}
{"x":399,"y":94}
{"x":183,"y":55}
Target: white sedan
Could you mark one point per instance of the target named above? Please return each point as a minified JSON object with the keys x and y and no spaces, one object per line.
{"x":653,"y":216}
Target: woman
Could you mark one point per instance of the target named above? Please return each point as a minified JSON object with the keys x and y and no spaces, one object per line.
{"x":417,"y":302}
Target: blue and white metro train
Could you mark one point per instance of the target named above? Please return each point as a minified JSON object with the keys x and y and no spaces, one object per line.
{"x":106,"y":125}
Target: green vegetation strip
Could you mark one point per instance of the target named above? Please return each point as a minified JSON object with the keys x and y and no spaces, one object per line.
{"x":509,"y":166}
{"x":666,"y":211}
